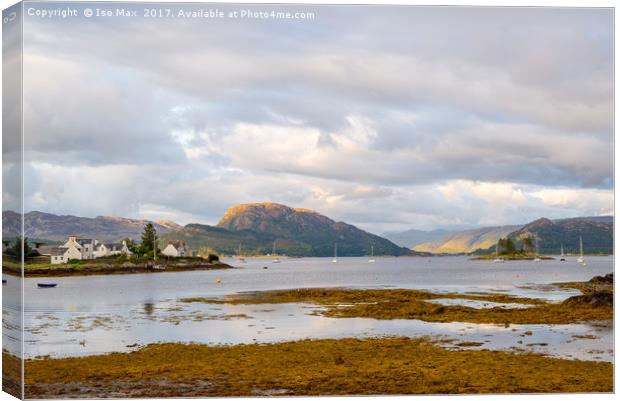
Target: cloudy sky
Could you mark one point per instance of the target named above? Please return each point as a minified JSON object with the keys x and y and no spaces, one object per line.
{"x":388,"y":118}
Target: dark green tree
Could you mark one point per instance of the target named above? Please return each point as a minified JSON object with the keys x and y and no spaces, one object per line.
{"x":528,"y":244}
{"x":19,"y":246}
{"x":149,"y":239}
{"x":506,"y":246}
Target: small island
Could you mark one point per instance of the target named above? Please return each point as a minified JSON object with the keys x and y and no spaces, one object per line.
{"x":506,"y":249}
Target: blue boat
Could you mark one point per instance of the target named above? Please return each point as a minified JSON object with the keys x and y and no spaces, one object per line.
{"x":3,"y":281}
{"x":45,"y":285}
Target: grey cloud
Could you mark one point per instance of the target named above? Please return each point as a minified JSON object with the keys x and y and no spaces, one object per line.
{"x":490,"y":94}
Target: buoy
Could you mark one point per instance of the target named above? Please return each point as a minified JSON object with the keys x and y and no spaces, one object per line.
{"x":218,"y":280}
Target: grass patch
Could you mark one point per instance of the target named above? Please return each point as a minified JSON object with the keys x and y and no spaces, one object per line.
{"x":412,"y":304}
{"x":320,"y":367}
{"x":11,"y":374}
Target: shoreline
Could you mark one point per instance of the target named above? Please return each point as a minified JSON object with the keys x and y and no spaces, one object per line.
{"x":350,"y":366}
{"x":100,"y":270}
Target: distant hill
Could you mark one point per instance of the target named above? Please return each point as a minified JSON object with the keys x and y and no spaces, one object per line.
{"x":411,"y":238}
{"x":57,"y":228}
{"x":597,"y":234}
{"x":467,"y":241}
{"x":297,"y":232}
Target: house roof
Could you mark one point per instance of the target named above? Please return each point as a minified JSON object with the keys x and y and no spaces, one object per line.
{"x":83,"y":241}
{"x":58,"y":250}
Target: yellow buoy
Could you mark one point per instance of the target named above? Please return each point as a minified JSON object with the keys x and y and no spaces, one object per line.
{"x":218,"y":280}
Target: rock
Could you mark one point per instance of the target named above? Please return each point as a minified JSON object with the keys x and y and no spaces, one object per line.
{"x":607,"y":279}
{"x":600,"y":298}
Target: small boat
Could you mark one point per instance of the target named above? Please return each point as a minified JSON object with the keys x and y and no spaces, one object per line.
{"x":536,"y":259}
{"x":581,"y":260}
{"x":159,"y":267}
{"x":276,"y":259}
{"x":265,"y":267}
{"x":562,"y":258}
{"x":372,"y":255}
{"x":240,"y":258}
{"x":3,"y":281}
{"x":497,"y":258}
{"x":46,"y":285}
{"x":335,"y":259}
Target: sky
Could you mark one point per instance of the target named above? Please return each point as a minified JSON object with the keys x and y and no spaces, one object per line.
{"x":388,"y":118}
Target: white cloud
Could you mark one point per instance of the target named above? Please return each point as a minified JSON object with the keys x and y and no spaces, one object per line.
{"x":426,"y":117}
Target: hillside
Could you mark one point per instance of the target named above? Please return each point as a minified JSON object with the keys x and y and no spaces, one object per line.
{"x":597,"y":234}
{"x":467,"y":241}
{"x":411,"y":238}
{"x":297,"y":232}
{"x":57,"y":228}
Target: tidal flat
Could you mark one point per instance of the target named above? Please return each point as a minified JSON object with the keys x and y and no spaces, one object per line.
{"x":417,"y":304}
{"x":124,"y":319}
{"x":311,"y":367}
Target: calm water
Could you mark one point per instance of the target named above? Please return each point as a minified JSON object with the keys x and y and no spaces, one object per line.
{"x":98,"y":314}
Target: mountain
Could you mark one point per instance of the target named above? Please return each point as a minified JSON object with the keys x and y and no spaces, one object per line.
{"x":411,"y":238}
{"x":467,"y":241}
{"x":297,"y":232}
{"x":57,"y":228}
{"x":597,"y":233}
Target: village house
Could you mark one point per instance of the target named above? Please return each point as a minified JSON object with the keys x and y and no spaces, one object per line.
{"x":83,"y":249}
{"x":177,"y":249}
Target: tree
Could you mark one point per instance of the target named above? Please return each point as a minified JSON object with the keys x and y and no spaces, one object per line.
{"x":149,"y":239}
{"x":528,"y":244}
{"x":506,"y":246}
{"x":19,"y":246}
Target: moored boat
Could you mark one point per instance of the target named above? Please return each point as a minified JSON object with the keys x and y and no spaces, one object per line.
{"x":46,"y":285}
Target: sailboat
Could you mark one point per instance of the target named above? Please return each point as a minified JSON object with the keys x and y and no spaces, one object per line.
{"x":581,"y":259}
{"x":562,"y":258}
{"x":497,"y":258}
{"x":536,"y":259}
{"x":372,"y":255}
{"x":335,"y":259}
{"x":240,"y":259}
{"x":275,"y":258}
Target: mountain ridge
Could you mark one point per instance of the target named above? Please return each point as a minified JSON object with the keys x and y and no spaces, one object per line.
{"x":296,"y":232}
{"x":483,"y":239}
{"x":54,"y":227}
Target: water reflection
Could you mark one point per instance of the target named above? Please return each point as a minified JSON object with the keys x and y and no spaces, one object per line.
{"x":99,"y":314}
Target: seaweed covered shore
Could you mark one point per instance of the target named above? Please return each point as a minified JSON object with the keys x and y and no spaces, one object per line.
{"x":311,"y":367}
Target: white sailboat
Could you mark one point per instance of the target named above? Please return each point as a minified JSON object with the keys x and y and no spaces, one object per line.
{"x":273,"y":253}
{"x":562,"y":258}
{"x":240,"y":258}
{"x":581,"y":259}
{"x":497,"y":258}
{"x":536,"y":259}
{"x":335,"y":259}
{"x":372,"y":255}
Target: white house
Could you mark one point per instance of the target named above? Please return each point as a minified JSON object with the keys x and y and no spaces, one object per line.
{"x":82,"y":248}
{"x":110,"y":249}
{"x":176,"y":249}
